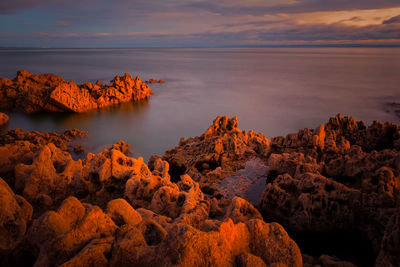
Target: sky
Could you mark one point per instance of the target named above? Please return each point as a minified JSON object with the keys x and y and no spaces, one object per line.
{"x":197,"y":23}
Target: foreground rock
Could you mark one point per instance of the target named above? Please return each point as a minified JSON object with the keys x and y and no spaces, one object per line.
{"x":3,"y":119}
{"x":113,"y":210}
{"x":47,"y":92}
{"x":15,"y":214}
{"x":20,"y":147}
{"x":340,"y":177}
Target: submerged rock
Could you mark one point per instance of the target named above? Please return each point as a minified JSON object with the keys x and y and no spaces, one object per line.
{"x":31,"y":93}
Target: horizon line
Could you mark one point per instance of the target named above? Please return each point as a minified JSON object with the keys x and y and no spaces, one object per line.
{"x":228,"y":46}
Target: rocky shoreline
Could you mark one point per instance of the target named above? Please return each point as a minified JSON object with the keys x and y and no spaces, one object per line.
{"x":31,"y":93}
{"x":180,"y":209}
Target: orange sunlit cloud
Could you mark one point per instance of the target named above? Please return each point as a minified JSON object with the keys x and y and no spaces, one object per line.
{"x":352,"y":18}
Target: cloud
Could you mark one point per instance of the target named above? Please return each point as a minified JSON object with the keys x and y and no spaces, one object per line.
{"x":395,"y":19}
{"x":62,"y":23}
{"x":15,"y":6}
{"x":196,"y":22}
{"x":260,"y":8}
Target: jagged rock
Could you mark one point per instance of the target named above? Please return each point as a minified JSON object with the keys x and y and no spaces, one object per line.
{"x":330,"y":178}
{"x":183,"y":245}
{"x":20,"y":147}
{"x":221,"y":150}
{"x":241,"y":211}
{"x":51,"y":177}
{"x":58,"y":237}
{"x":79,"y":234}
{"x":3,"y":119}
{"x":350,"y":180}
{"x":15,"y":214}
{"x":340,"y":176}
{"x":47,"y":92}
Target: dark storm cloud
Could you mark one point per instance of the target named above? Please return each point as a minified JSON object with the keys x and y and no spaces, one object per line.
{"x":392,"y":20}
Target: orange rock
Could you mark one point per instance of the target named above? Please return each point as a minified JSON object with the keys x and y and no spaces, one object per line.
{"x":3,"y":119}
{"x":122,"y":213}
{"x":15,"y":215}
{"x":47,"y":92}
{"x":222,"y":145}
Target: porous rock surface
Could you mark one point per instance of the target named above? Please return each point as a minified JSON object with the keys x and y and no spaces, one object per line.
{"x":30,"y":93}
{"x":113,"y":210}
{"x":340,"y":176}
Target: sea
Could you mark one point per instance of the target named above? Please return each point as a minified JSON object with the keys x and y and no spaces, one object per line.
{"x":274,"y":91}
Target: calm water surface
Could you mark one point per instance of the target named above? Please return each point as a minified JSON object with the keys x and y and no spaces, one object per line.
{"x":272,"y":90}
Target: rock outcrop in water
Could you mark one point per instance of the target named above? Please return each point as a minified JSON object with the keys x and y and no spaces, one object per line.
{"x":113,"y":210}
{"x":153,"y":81}
{"x":110,"y":209}
{"x":342,"y":176}
{"x":47,"y":92}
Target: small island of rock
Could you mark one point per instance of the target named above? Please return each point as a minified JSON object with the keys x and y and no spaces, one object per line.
{"x":32,"y":93}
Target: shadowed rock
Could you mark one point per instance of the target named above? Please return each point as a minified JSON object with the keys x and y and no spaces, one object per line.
{"x":3,"y":119}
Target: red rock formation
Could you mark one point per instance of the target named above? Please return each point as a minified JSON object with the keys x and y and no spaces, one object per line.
{"x":112,"y":209}
{"x":221,"y":150}
{"x":340,"y":176}
{"x":3,"y":119}
{"x":15,"y":215}
{"x":162,"y":223}
{"x":47,"y":92}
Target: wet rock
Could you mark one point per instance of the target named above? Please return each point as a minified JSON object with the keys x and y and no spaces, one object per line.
{"x":30,"y":93}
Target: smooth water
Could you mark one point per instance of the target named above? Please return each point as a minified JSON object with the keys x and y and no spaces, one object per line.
{"x":272,"y":90}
